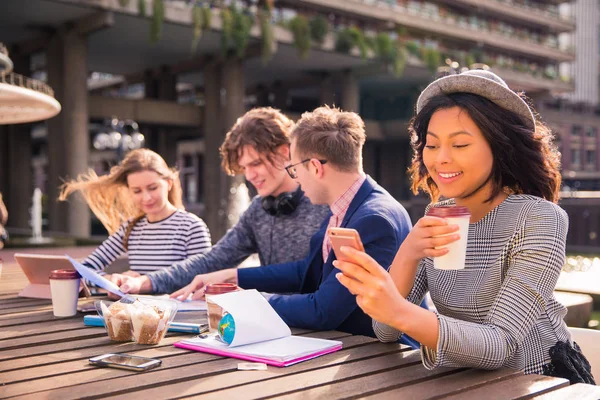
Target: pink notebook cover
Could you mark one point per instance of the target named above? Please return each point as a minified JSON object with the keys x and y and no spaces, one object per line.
{"x":268,"y":361}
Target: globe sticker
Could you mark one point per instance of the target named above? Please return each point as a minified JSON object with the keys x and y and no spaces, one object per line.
{"x":226,"y":328}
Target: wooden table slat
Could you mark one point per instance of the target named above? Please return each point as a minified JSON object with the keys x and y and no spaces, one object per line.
{"x":43,"y":357}
{"x":355,"y":348}
{"x":578,"y":391}
{"x":457,"y":385}
{"x":80,"y":354}
{"x":516,"y":387}
{"x":20,"y":331}
{"x":93,"y":380}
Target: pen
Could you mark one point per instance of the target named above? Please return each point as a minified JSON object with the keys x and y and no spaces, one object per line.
{"x":96,"y":320}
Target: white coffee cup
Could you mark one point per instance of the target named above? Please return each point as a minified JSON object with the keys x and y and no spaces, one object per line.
{"x":455,"y":215}
{"x":64,"y":286}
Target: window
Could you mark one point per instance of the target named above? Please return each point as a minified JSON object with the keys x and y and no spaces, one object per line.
{"x":576,"y":131}
{"x":591,"y":132}
{"x":590,"y":157}
{"x":575,"y":157}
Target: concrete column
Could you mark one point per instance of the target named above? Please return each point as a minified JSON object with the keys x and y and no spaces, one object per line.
{"x":167,"y":84}
{"x":20,"y":176}
{"x":18,"y":196}
{"x":262,"y":96}
{"x":4,"y":165}
{"x":327,"y":96}
{"x":233,"y":83}
{"x":281,"y":96}
{"x":167,"y":146}
{"x":162,"y":86}
{"x":150,"y":85}
{"x":350,"y":92}
{"x":213,"y":137}
{"x":68,"y":134}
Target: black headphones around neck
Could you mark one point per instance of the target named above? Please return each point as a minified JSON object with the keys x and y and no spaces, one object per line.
{"x":284,"y":204}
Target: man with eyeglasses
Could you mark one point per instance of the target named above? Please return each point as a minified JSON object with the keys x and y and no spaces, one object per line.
{"x":327,"y":162}
{"x":277,"y":225}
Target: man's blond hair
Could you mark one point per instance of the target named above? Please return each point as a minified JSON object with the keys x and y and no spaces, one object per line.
{"x":331,"y":134}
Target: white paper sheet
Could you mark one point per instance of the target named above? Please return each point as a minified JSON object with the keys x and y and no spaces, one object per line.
{"x":255,"y":319}
{"x":185,"y":305}
{"x":95,"y":278}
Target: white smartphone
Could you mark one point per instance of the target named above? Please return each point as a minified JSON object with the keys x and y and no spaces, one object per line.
{"x":344,"y":237}
{"x":125,"y":361}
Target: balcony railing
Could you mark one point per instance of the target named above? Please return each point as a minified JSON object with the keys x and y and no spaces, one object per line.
{"x":26,"y":83}
{"x":549,"y":12}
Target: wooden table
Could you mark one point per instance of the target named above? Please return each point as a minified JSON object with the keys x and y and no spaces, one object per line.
{"x":45,"y":357}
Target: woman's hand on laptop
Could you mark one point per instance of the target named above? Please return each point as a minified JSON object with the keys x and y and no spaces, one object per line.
{"x":198,"y":285}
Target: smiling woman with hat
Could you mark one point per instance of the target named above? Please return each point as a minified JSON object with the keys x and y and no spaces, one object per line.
{"x":478,"y":145}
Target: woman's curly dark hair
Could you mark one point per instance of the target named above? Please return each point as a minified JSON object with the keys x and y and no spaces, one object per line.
{"x":525,"y":160}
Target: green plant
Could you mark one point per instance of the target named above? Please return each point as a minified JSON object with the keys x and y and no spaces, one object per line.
{"x":226,"y":30}
{"x":384,"y":47}
{"x":197,"y":22}
{"x":124,"y":3}
{"x":477,"y":55}
{"x":240,"y":35}
{"x":301,"y":30}
{"x":142,"y":8}
{"x":400,"y":58}
{"x":469,"y":60}
{"x":266,"y":34}
{"x":206,"y":16}
{"x":319,"y":27}
{"x":156,"y":25}
{"x":358,"y":39}
{"x":344,"y":42}
{"x":401,"y":31}
{"x":413,"y":48}
{"x":432,"y":58}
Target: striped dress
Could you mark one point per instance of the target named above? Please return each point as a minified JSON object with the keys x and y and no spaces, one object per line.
{"x":154,"y":245}
{"x":500,"y":310}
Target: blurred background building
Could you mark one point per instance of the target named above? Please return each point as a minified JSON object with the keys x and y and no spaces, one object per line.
{"x":185,"y":70}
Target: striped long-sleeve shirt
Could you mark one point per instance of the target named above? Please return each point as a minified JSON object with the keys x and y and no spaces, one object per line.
{"x":500,"y":310}
{"x":154,"y":245}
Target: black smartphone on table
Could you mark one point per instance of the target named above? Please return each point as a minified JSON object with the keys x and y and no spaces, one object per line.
{"x":125,"y":361}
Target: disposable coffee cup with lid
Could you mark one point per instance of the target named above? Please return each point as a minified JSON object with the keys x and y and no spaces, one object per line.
{"x":64,"y":287}
{"x":215,"y":312}
{"x":455,"y":215}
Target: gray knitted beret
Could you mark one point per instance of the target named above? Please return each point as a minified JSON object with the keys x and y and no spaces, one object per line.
{"x":480,"y":82}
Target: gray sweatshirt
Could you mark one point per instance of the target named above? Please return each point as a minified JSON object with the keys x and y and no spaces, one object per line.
{"x":276,"y":239}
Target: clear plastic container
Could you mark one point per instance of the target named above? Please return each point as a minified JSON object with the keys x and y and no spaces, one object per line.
{"x":150,"y":318}
{"x":117,"y":319}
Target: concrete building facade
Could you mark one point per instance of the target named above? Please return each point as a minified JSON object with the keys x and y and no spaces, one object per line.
{"x":185,"y":100}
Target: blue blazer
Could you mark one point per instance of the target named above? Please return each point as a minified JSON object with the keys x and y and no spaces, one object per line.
{"x":320,"y":302}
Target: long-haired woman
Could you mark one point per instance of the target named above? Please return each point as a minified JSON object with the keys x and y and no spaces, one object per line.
{"x":478,"y":145}
{"x":140,"y":204}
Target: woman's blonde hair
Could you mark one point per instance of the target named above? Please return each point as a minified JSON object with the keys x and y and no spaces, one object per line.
{"x":108,"y":196}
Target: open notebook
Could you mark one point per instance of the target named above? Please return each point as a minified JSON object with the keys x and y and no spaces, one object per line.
{"x":260,"y":334}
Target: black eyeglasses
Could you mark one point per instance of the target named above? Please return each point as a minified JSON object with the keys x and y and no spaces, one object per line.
{"x":291,"y":169}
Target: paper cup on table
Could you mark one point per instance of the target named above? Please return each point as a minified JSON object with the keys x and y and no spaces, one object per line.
{"x":455,"y":215}
{"x":64,"y":287}
{"x":215,"y":312}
